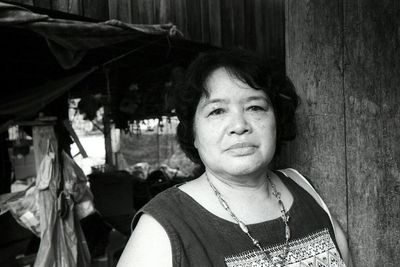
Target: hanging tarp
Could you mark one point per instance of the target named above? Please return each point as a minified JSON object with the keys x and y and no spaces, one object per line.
{"x":28,"y":105}
{"x":40,"y":96}
{"x":62,"y":240}
{"x":69,"y":39}
{"x":139,"y":60}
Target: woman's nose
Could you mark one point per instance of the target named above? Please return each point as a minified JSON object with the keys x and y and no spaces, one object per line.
{"x":239,"y":124}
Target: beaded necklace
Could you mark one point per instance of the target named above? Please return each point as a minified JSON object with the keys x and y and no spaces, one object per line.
{"x":244,"y":228}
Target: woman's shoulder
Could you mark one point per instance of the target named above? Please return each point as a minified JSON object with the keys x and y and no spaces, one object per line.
{"x":192,"y":188}
{"x":174,"y":200}
{"x":295,"y":176}
{"x":148,"y":234}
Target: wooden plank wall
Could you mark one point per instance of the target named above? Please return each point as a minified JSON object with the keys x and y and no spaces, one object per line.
{"x":372,"y":97}
{"x":344,"y":58}
{"x":257,"y":25}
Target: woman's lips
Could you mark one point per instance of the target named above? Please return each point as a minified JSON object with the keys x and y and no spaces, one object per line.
{"x":242,"y":149}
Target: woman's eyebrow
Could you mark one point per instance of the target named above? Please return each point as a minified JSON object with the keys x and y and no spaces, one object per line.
{"x":208,"y":101}
{"x":252,"y":98}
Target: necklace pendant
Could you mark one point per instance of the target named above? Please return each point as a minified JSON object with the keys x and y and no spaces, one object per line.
{"x":243,"y":227}
{"x":287,"y":232}
{"x":256,"y":242}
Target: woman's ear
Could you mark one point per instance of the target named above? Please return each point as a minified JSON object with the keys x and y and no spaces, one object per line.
{"x":195,"y":143}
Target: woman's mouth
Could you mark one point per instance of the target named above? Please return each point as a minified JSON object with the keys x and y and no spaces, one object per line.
{"x":242,"y":149}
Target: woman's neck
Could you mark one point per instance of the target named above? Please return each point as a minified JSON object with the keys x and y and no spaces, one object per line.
{"x":239,"y":186}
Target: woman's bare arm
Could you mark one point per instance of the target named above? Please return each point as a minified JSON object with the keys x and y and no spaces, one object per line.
{"x":148,"y":246}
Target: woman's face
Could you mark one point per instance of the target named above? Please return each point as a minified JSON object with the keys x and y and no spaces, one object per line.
{"x":235,"y":129}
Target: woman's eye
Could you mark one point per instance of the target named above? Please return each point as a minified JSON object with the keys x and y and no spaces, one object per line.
{"x":256,"y":108}
{"x":217,"y":111}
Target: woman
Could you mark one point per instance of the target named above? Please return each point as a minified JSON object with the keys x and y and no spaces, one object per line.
{"x":234,"y":112}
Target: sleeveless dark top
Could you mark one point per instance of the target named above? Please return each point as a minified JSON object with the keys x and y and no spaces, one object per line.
{"x":200,"y":238}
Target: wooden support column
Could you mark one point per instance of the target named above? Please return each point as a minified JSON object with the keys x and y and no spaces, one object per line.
{"x":314,"y":63}
{"x":372,"y":97}
{"x":344,"y":58}
{"x":107,"y":121}
{"x":107,"y":136}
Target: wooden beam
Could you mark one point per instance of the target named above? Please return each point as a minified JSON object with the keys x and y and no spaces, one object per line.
{"x":107,"y":136}
{"x":344,"y":59}
{"x":314,"y":57}
{"x":75,"y":137}
{"x":371,"y":86}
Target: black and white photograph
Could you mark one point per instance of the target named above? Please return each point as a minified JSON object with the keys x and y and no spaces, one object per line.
{"x":199,"y":133}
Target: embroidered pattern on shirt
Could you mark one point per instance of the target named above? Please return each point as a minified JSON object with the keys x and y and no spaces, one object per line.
{"x":315,"y":250}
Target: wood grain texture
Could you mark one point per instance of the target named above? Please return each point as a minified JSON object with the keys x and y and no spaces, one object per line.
{"x":227,"y":24}
{"x":215,"y":22}
{"x":350,"y":47}
{"x":250,"y":29}
{"x":180,"y":15}
{"x":268,"y":10}
{"x":372,"y":98}
{"x":313,"y":56}
{"x":120,"y":10}
{"x":26,"y":2}
{"x":135,"y":15}
{"x":113,"y":9}
{"x":274,"y":29}
{"x":257,"y":25}
{"x":96,"y":9}
{"x":193,"y":12}
{"x":68,"y":6}
{"x":258,"y":22}
{"x":205,"y":21}
{"x":239,"y":23}
{"x":164,"y":11}
{"x":146,"y":11}
{"x":124,"y":10}
{"x":43,"y":3}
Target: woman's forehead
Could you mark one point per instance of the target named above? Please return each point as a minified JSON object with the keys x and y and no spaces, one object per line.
{"x":222,"y":83}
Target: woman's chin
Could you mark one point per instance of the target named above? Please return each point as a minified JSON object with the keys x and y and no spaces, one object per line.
{"x":241,"y":168}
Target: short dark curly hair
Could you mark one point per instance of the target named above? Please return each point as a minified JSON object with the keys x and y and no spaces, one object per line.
{"x":266,"y":75}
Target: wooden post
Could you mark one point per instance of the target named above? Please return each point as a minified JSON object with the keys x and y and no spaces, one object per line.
{"x":344,"y":58}
{"x":372,"y":97}
{"x":5,"y":165}
{"x":107,"y":135}
{"x":107,"y":121}
{"x":313,"y":59}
